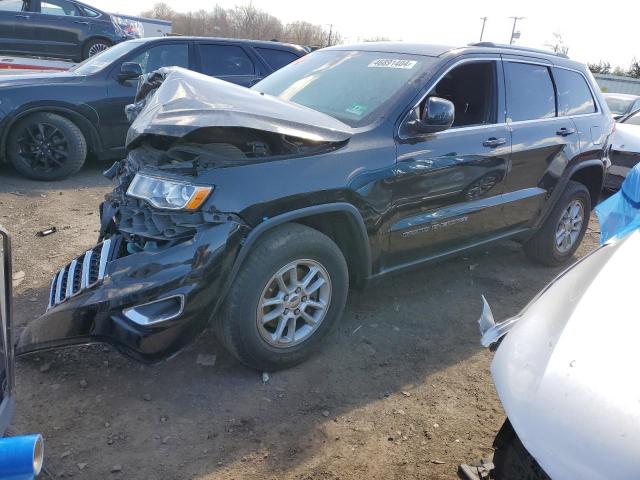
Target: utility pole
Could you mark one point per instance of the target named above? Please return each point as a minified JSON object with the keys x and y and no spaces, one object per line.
{"x":513,"y":31}
{"x":484,"y":21}
{"x":330,"y":33}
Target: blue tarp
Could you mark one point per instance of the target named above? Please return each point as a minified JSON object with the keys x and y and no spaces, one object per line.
{"x":620,"y":213}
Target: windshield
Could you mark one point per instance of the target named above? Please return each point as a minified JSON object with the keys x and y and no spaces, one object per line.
{"x":619,"y":106}
{"x":104,"y":59}
{"x":353,"y":86}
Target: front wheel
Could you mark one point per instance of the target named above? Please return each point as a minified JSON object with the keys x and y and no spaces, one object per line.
{"x":290,"y":291}
{"x":46,"y":146}
{"x":563,"y":230}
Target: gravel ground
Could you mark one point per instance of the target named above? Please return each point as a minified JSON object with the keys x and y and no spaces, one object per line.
{"x":401,"y":390}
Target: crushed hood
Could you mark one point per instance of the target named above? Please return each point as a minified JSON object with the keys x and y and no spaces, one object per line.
{"x":186,"y":101}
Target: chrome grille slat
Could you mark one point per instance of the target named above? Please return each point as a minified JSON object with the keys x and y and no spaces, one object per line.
{"x":91,"y":268}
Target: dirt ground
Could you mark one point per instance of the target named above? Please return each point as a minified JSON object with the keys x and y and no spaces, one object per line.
{"x":401,"y":390}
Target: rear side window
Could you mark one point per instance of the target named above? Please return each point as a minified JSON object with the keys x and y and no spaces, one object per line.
{"x":530,"y":92}
{"x":59,"y":7}
{"x":276,"y":59}
{"x":225,"y":60}
{"x":574,"y":96}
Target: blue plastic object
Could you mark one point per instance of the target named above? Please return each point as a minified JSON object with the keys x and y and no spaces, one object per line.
{"x":21,"y":457}
{"x":620,"y":213}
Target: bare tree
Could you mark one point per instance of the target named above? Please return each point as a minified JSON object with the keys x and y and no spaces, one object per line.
{"x":244,"y":21}
{"x":558,"y":45}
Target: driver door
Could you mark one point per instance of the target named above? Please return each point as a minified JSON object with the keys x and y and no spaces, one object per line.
{"x":447,"y":191}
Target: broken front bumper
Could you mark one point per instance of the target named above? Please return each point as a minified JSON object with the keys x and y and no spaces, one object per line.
{"x":147,"y":304}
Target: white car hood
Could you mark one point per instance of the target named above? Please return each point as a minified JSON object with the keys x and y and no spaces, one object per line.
{"x":626,"y":138}
{"x":568,"y":372}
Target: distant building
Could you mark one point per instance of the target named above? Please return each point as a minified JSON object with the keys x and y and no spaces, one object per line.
{"x":618,"y":84}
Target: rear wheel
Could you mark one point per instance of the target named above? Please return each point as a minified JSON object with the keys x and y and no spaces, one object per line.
{"x":46,"y":146}
{"x":288,"y":294}
{"x":563,"y":230}
{"x":94,"y":47}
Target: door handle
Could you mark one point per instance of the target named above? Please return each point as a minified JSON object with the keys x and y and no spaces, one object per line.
{"x":81,"y":22}
{"x":494,"y":142}
{"x":26,"y":17}
{"x":563,"y":132}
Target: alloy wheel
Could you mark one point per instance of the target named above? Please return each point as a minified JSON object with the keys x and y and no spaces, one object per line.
{"x":97,"y":48}
{"x":569,"y":227}
{"x":43,"y":147}
{"x":294,"y":303}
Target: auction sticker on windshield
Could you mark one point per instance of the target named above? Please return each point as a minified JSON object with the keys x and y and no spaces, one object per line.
{"x":393,"y":63}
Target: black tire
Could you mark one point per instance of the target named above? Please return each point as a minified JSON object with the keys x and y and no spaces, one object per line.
{"x":512,"y":460}
{"x":542,"y":247}
{"x":237,"y":326}
{"x":95,"y":46}
{"x":46,"y":146}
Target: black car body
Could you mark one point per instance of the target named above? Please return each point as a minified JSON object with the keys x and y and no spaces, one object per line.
{"x":224,"y":186}
{"x":61,"y":29}
{"x":7,"y":403}
{"x":92,"y":96}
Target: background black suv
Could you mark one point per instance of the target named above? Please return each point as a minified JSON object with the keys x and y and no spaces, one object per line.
{"x":60,"y":28}
{"x":82,"y":110}
{"x":258,"y":208}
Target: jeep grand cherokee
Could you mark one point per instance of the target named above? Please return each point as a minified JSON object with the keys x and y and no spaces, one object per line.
{"x":259,"y":208}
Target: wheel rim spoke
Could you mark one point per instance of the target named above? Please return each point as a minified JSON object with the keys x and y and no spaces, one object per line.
{"x":294,"y":303}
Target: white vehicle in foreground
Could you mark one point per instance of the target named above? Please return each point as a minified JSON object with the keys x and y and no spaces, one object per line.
{"x":625,"y":149}
{"x":567,"y":373}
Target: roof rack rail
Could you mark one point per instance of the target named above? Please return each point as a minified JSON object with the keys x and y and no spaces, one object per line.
{"x":517,"y":47}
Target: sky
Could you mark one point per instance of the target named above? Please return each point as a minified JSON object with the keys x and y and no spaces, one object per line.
{"x":592,"y":31}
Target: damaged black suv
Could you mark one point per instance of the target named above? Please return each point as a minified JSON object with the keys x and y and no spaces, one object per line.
{"x":258,"y":209}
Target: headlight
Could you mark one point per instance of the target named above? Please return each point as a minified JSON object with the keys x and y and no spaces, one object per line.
{"x":170,"y":194}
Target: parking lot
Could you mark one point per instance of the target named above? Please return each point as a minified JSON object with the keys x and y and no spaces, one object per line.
{"x":401,"y":390}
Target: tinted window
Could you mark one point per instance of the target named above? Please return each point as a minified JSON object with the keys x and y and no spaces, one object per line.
{"x":530,"y":92}
{"x":574,"y":96}
{"x":471,"y":88}
{"x":13,"y":5}
{"x":224,"y":60}
{"x":633,"y":120}
{"x":59,"y":7}
{"x":168,"y":55}
{"x":276,"y":59}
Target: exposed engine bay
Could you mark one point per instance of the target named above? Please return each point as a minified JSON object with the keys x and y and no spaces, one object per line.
{"x":184,"y":123}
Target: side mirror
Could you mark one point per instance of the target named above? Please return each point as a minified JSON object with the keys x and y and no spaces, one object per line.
{"x":129,"y":71}
{"x":438,"y":115}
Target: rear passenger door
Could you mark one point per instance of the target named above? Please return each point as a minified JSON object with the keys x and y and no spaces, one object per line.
{"x":230,"y":62}
{"x":543,"y":143}
{"x":59,"y":27}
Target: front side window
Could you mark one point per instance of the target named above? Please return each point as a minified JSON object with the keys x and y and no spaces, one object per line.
{"x":353,"y":86}
{"x":472,"y":88}
{"x":530,"y":92}
{"x":170,"y":55}
{"x":59,"y":7}
{"x":14,"y":5}
{"x":107,"y":57}
{"x":574,"y":96}
{"x":225,"y":61}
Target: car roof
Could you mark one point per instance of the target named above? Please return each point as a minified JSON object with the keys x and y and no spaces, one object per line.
{"x":434,"y":50}
{"x":254,"y":43}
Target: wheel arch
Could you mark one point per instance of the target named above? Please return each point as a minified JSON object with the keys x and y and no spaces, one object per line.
{"x":86,"y":127}
{"x":346,"y":228}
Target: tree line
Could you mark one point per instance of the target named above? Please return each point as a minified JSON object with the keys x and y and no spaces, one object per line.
{"x":244,"y":21}
{"x":606,"y":69}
